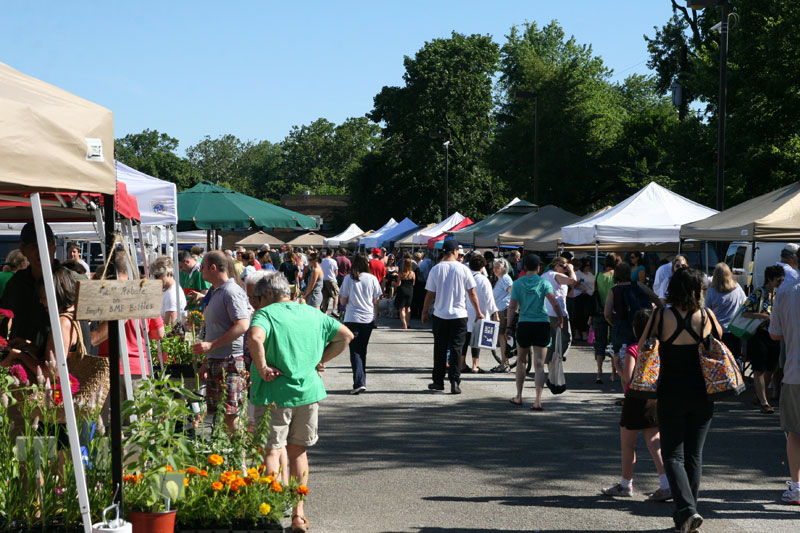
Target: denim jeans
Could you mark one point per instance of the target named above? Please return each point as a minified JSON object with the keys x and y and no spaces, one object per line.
{"x":358,"y":352}
{"x":683,"y":424}
{"x":448,"y":334}
{"x":600,"y":327}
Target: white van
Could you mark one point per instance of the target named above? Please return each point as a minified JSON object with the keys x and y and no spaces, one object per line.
{"x":748,"y":269}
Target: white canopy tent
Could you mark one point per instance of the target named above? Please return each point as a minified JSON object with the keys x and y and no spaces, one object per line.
{"x":376,"y":238}
{"x":157,"y":199}
{"x":424,"y":235}
{"x":652,"y":215}
{"x":351,"y":232}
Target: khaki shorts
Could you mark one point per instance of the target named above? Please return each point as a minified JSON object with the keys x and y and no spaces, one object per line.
{"x":330,"y":289}
{"x":790,"y":408}
{"x":295,"y":425}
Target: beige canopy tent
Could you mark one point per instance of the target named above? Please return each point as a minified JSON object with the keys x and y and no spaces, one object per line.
{"x":258,"y":239}
{"x":52,"y":140}
{"x":774,"y":216}
{"x":551,"y":239}
{"x":308,"y":239}
{"x":530,"y":226}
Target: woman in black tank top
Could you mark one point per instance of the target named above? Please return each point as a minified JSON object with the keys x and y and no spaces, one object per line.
{"x":684,"y":411}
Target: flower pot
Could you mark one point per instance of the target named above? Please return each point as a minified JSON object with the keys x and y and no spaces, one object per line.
{"x":163,"y":522}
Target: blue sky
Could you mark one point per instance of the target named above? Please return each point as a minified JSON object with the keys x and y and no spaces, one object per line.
{"x":255,"y":69}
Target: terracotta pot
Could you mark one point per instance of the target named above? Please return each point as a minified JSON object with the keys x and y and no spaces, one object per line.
{"x":163,"y":522}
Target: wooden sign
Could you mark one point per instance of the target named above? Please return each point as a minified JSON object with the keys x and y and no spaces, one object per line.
{"x":118,"y":300}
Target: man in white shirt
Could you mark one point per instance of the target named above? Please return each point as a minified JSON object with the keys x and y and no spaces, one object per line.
{"x":783,"y":326}
{"x":661,"y":281}
{"x":483,"y":289}
{"x":330,"y":289}
{"x":74,"y":252}
{"x":789,"y":264}
{"x":449,"y":285}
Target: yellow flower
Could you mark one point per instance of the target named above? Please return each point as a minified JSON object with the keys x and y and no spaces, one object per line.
{"x":185,"y":482}
{"x":264,"y":509}
{"x":215,"y":459}
{"x":252,"y":473}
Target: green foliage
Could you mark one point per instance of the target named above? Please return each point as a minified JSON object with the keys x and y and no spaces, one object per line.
{"x":154,"y":154}
{"x":220,"y":161}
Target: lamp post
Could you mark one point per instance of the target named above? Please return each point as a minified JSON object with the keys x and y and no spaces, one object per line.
{"x":529,"y":95}
{"x":446,"y":179}
{"x":723,"y":90}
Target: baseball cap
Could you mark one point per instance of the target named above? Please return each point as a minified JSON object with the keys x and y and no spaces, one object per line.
{"x":789,"y":250}
{"x":376,"y":252}
{"x":265,"y":247}
{"x":450,"y":246}
{"x":28,"y":233}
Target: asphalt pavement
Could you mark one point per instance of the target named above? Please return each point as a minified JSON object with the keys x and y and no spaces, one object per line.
{"x":399,"y":458}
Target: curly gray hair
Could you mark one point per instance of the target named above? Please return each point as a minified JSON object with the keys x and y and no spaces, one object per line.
{"x":274,"y":282}
{"x":254,"y":277}
{"x":502,"y":264}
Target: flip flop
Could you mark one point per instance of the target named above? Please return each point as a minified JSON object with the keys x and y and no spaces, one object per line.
{"x":767,"y":409}
{"x":512,"y":402}
{"x":534,"y":408}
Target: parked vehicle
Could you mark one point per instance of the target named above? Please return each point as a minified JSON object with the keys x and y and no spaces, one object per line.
{"x":747,"y":267}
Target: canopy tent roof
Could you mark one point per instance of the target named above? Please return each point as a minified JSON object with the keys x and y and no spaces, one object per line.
{"x":407,"y":240}
{"x":551,"y":239}
{"x":527,"y":226}
{"x":653,"y":214}
{"x":52,"y":140}
{"x":351,"y":231}
{"x":375,"y":238}
{"x":461,"y":225}
{"x":431,"y":231}
{"x":209,"y":206}
{"x":308,"y":239}
{"x":403,"y":228}
{"x":774,"y":216}
{"x":355,"y":240}
{"x":494,"y":222}
{"x":157,"y":199}
{"x":258,"y":239}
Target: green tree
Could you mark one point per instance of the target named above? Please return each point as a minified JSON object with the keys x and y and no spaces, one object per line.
{"x":580,"y":117}
{"x":447,"y":95}
{"x":154,"y":154}
{"x":261,"y":168}
{"x":220,"y":161}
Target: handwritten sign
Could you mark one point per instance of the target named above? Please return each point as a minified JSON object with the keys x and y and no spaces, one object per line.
{"x":118,"y":300}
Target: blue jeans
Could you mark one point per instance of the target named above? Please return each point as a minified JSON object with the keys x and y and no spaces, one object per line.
{"x":358,"y":352}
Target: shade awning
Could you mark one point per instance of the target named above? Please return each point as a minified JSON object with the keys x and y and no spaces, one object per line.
{"x":258,"y":239}
{"x":156,"y":199}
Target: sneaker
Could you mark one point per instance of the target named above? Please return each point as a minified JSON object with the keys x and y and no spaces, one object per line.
{"x":661,"y":495}
{"x":435,"y":386}
{"x":619,"y":490}
{"x":599,"y":381}
{"x":692,"y":524}
{"x":792,"y":497}
{"x":358,"y":390}
{"x":454,"y":388}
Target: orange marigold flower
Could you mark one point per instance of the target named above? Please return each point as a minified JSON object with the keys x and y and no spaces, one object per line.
{"x":186,"y":482}
{"x":276,"y":486}
{"x":169,"y":468}
{"x":215,"y":459}
{"x":129,"y":479}
{"x":237,"y":472}
{"x":302,"y":489}
{"x":262,"y":468}
{"x":252,"y":472}
{"x":203,"y":473}
{"x":191,"y":470}
{"x":269,"y":479}
{"x":217,"y":485}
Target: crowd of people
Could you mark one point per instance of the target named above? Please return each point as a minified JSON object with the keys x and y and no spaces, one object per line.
{"x":274,"y":318}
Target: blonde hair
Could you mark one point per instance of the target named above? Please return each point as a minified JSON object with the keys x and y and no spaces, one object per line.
{"x":722,"y":279}
{"x":161,"y":267}
{"x":14,"y":260}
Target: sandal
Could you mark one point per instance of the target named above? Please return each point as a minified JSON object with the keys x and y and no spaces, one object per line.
{"x":500,"y":368}
{"x":298,"y":528}
{"x":512,"y":402}
{"x":767,"y":409}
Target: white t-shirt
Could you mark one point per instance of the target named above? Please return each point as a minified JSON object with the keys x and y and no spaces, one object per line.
{"x":587,"y":280}
{"x":661,"y":281}
{"x":559,"y":291}
{"x":169,"y":303}
{"x":360,"y":297}
{"x":790,"y":278}
{"x":483,"y":289}
{"x":783,"y":322}
{"x":329,"y":269}
{"x":450,"y":280}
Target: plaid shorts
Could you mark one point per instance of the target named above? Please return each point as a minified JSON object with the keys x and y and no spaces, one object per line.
{"x":234,"y":387}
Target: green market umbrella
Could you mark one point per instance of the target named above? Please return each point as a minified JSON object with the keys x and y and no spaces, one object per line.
{"x":211,"y":207}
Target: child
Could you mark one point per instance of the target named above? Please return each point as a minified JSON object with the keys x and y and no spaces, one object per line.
{"x":638,"y":415}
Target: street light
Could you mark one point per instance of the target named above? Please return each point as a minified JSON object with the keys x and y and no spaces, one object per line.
{"x":446,"y":179}
{"x":723,"y":90}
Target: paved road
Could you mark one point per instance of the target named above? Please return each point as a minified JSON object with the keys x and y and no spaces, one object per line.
{"x":401,"y":459}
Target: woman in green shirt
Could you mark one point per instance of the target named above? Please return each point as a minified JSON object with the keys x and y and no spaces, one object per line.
{"x":602,"y":285}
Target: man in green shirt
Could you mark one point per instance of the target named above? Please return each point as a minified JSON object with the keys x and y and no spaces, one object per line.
{"x":290,"y":344}
{"x":191,"y":277}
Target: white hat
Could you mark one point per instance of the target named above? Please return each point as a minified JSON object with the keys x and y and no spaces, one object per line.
{"x":265,"y":247}
{"x":789,"y":250}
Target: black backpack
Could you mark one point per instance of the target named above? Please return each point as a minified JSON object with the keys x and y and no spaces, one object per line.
{"x":636,"y":299}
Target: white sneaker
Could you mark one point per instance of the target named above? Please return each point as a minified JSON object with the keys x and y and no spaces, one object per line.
{"x":692,"y":524}
{"x":661,"y":495}
{"x":358,"y":390}
{"x":619,"y":490}
{"x":792,"y":497}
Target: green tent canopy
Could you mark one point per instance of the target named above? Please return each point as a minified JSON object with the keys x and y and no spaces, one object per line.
{"x":209,"y":206}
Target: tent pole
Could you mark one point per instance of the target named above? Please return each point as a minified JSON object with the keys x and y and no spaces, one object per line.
{"x":176,"y":270}
{"x":113,"y":361}
{"x":134,"y":274}
{"x":99,"y":216}
{"x":61,"y":359}
{"x":706,"y":261}
{"x":596,"y":257}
